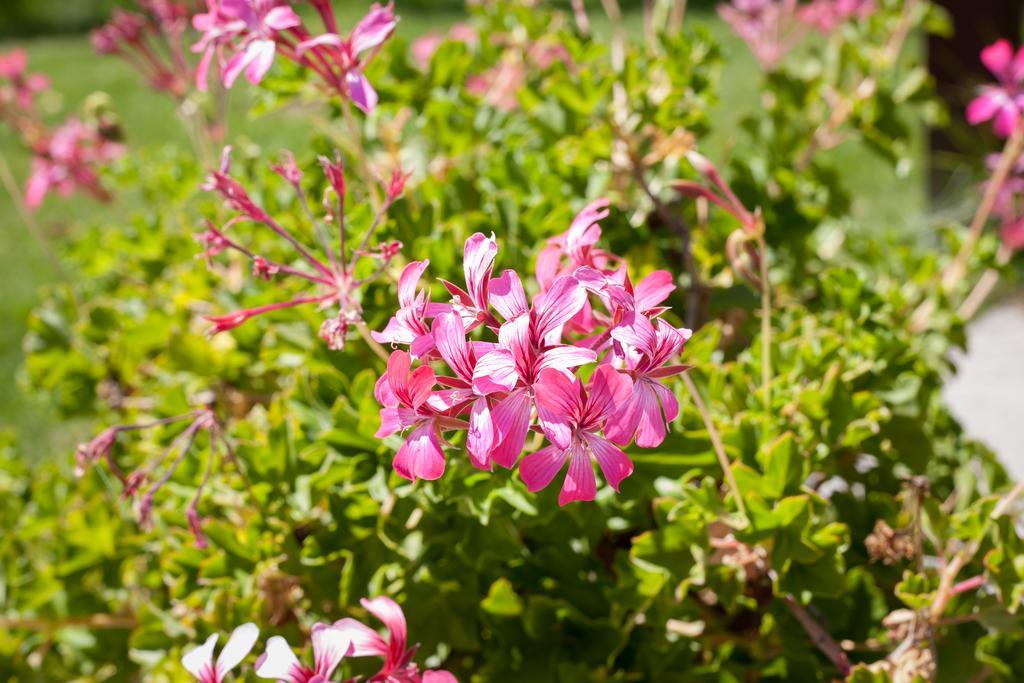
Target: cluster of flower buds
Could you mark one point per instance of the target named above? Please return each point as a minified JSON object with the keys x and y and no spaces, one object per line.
{"x":244,"y":36}
{"x":742,"y":247}
{"x":1002,"y":102}
{"x":772,"y":28}
{"x":148,"y":476}
{"x":64,"y":160}
{"x":332,"y":275}
{"x":331,"y":643}
{"x":152,"y":40}
{"x":530,"y":375}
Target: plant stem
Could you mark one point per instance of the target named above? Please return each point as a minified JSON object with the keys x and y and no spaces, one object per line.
{"x":819,"y":636}
{"x":374,"y":345}
{"x":766,"y":324}
{"x":356,"y":137}
{"x":1011,"y":152}
{"x":989,"y":279}
{"x":11,"y":185}
{"x":716,"y":443}
{"x":93,"y":621}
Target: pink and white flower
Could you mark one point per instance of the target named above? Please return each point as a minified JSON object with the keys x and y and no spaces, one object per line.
{"x":200,"y":663}
{"x":1002,"y":103}
{"x":330,"y":646}
{"x":398,"y":666}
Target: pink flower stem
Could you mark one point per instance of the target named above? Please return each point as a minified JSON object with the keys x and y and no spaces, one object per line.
{"x":312,"y":260}
{"x":283,"y":268}
{"x":377,"y":220}
{"x":989,"y":279}
{"x":320,"y":232}
{"x":260,"y":310}
{"x":968,"y":585}
{"x":11,"y":185}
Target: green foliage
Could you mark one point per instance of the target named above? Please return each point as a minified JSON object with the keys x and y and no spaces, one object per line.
{"x":686,"y":574}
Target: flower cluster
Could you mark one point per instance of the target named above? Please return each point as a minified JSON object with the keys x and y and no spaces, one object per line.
{"x":1003,"y":102}
{"x":333,"y":275}
{"x":529,"y":376}
{"x":65,"y":159}
{"x":772,"y":28}
{"x":244,"y":36}
{"x":148,"y":476}
{"x":152,"y":40}
{"x":331,"y":644}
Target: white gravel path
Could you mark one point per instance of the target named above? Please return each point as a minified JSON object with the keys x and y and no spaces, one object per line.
{"x":987,"y":394}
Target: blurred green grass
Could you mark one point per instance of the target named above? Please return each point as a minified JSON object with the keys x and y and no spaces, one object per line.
{"x":149,"y":120}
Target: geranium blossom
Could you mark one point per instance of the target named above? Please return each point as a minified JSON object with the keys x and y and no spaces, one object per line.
{"x":1009,"y":205}
{"x":67,"y":161}
{"x":331,"y":274}
{"x":494,"y":390}
{"x":200,"y":663}
{"x":1002,"y":103}
{"x":330,"y":646}
{"x":398,"y":666}
{"x":18,"y":88}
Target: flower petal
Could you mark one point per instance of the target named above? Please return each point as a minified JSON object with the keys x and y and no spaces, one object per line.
{"x":495,"y":372}
{"x":239,"y":645}
{"x":330,"y":646}
{"x":480,"y":438}
{"x":511,"y":422}
{"x":420,"y":457}
{"x":199,"y":660}
{"x":388,"y":611}
{"x":537,"y":470}
{"x":507,"y":295}
{"x":615,"y":465}
{"x":278,"y":662}
{"x":609,"y":390}
{"x":558,"y":305}
{"x":580,"y":482}
{"x":366,"y":642}
{"x":360,"y":90}
{"x":373,"y":29}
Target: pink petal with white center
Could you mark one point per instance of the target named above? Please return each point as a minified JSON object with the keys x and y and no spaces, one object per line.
{"x":584,"y":232}
{"x":537,"y":470}
{"x":477,"y":265}
{"x":450,"y":341}
{"x":480,"y":438}
{"x":558,"y":305}
{"x":323,"y":40}
{"x":495,"y":372}
{"x":640,"y":416}
{"x":982,"y":108}
{"x":373,"y":29}
{"x":394,"y":420}
{"x":262,"y":59}
{"x":420,"y":457}
{"x":653,"y":290}
{"x":360,"y":90}
{"x":330,"y":646}
{"x":408,"y":281}
{"x":282,"y":18}
{"x":580,"y":482}
{"x":382,"y":392}
{"x":614,"y":464}
{"x":514,"y":336}
{"x":549,"y":262}
{"x":388,"y":611}
{"x":279,"y":662}
{"x":511,"y":418}
{"x":366,"y":642}
{"x":199,"y":661}
{"x":237,"y":648}
{"x":203,"y":71}
{"x":507,"y":295}
{"x":997,"y":58}
{"x":609,"y":390}
{"x":637,"y":331}
{"x":566,"y":358}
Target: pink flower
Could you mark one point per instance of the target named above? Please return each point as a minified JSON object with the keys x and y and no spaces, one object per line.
{"x":1002,"y":103}
{"x":17,"y":86}
{"x":263,"y":20}
{"x":199,"y":661}
{"x":770,"y":28}
{"x":579,"y":414}
{"x":330,"y":646}
{"x":424,"y":47}
{"x":409,"y":403}
{"x":67,"y":161}
{"x":349,"y":58}
{"x":495,"y":390}
{"x":1009,"y":204}
{"x":827,"y":15}
{"x":398,"y":665}
{"x":646,"y":350}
